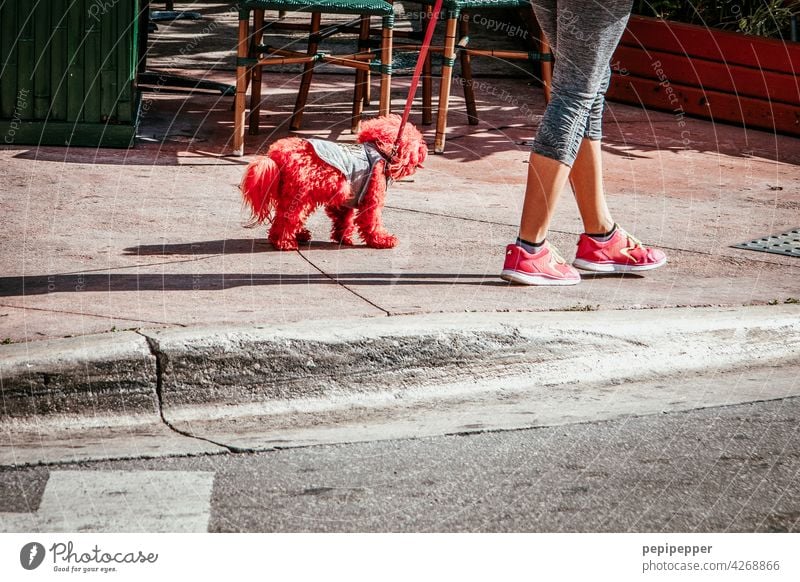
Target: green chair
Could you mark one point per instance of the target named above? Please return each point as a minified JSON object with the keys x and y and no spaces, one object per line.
{"x":252,"y":55}
{"x":456,"y":40}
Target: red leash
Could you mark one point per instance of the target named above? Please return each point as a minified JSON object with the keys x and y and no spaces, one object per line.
{"x":423,"y":53}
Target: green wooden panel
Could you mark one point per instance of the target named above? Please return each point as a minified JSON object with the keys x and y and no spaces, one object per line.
{"x":75,"y":64}
{"x":91,"y":66}
{"x":118,"y":79}
{"x":69,"y":67}
{"x":41,"y":66}
{"x":58,"y":61}
{"x":25,"y":62}
{"x":127,"y":21}
{"x":8,"y":54}
{"x":108,"y":44}
{"x":67,"y":134}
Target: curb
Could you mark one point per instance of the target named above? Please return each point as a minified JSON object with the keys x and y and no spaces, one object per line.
{"x":171,"y":370}
{"x":104,"y":373}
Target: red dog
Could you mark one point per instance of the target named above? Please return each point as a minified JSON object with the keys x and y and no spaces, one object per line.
{"x":297,"y":175}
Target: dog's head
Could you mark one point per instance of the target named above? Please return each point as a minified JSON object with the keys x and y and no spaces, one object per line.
{"x":382,"y":133}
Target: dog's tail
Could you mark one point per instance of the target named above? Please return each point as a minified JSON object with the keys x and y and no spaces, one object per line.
{"x":259,"y":188}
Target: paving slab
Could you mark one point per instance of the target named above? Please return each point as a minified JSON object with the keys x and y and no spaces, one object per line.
{"x":249,"y":283}
{"x":444,"y":264}
{"x":65,"y":439}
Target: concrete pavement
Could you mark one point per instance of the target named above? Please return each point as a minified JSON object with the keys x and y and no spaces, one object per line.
{"x":107,"y":253}
{"x":722,"y":469}
{"x":189,"y":391}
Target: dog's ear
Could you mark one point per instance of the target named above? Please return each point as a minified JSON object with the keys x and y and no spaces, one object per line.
{"x":422,"y":154}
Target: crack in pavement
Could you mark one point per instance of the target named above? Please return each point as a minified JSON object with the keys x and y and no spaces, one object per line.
{"x":342,"y":285}
{"x":99,"y":316}
{"x":161,"y":359}
{"x":140,"y":265}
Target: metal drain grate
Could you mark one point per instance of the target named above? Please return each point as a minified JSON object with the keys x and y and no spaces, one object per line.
{"x":787,"y":243}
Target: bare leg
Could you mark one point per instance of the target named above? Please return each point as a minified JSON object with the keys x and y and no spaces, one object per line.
{"x":586,"y":178}
{"x":546,"y":179}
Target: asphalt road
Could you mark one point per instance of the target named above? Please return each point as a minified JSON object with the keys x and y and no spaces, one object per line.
{"x":719,"y":469}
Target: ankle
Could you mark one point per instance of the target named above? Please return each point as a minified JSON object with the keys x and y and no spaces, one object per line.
{"x":602,"y":236}
{"x":599,"y":227}
{"x":530,"y":247}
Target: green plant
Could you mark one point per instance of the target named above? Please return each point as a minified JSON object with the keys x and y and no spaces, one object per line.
{"x":755,"y":17}
{"x":767,"y":19}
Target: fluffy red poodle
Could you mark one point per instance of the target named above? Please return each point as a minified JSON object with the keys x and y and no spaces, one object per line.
{"x":298,"y":175}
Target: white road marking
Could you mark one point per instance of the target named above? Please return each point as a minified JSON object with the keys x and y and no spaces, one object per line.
{"x":119,"y":501}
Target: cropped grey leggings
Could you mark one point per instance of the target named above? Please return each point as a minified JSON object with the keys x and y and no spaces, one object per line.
{"x":583,"y":35}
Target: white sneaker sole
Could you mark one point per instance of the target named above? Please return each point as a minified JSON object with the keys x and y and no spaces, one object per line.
{"x":542,"y":280}
{"x":612,"y":268}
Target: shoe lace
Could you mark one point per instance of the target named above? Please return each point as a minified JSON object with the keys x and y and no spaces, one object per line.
{"x":633,"y":242}
{"x":558,"y":258}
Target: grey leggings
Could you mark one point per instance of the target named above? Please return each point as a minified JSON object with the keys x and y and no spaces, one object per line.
{"x":583,"y":35}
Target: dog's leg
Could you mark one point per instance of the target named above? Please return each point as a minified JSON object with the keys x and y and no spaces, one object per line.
{"x":368,"y":219}
{"x":342,"y":217}
{"x":303,"y":235}
{"x":371,"y":229}
{"x":285,"y":225}
{"x":282,"y":236}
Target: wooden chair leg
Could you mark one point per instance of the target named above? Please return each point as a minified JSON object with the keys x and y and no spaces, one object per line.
{"x":385,"y":105}
{"x":547,"y":68}
{"x":367,"y":94}
{"x":361,"y":78}
{"x":308,"y":72}
{"x":466,"y":74}
{"x":427,"y":81}
{"x":255,"y":90}
{"x":448,"y":61}
{"x":241,"y":83}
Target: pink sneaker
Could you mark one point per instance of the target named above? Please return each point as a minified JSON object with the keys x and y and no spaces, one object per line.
{"x":622,"y":253}
{"x":543,"y":268}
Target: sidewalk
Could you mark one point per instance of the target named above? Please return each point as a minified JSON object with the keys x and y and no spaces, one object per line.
{"x":103,"y":241}
{"x":99,"y":241}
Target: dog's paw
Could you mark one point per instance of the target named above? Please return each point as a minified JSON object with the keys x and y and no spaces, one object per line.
{"x":285,"y":245}
{"x":346,"y":241}
{"x":382,"y":241}
{"x":303,"y":235}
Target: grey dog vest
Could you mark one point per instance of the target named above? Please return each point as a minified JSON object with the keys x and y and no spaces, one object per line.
{"x":356,"y":161}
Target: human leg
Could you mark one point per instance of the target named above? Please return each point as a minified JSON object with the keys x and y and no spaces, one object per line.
{"x":583,"y":42}
{"x":584,"y":38}
{"x":609,"y":248}
{"x":546,"y":176}
{"x":586,"y":178}
{"x":587,"y":33}
{"x":586,"y":175}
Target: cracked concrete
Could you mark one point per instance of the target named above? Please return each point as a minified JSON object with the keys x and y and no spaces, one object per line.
{"x":255,"y":388}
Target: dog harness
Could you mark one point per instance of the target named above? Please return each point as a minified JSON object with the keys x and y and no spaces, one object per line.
{"x":356,"y":161}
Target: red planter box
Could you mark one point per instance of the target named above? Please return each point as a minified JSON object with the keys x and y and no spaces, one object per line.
{"x":699,"y":71}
